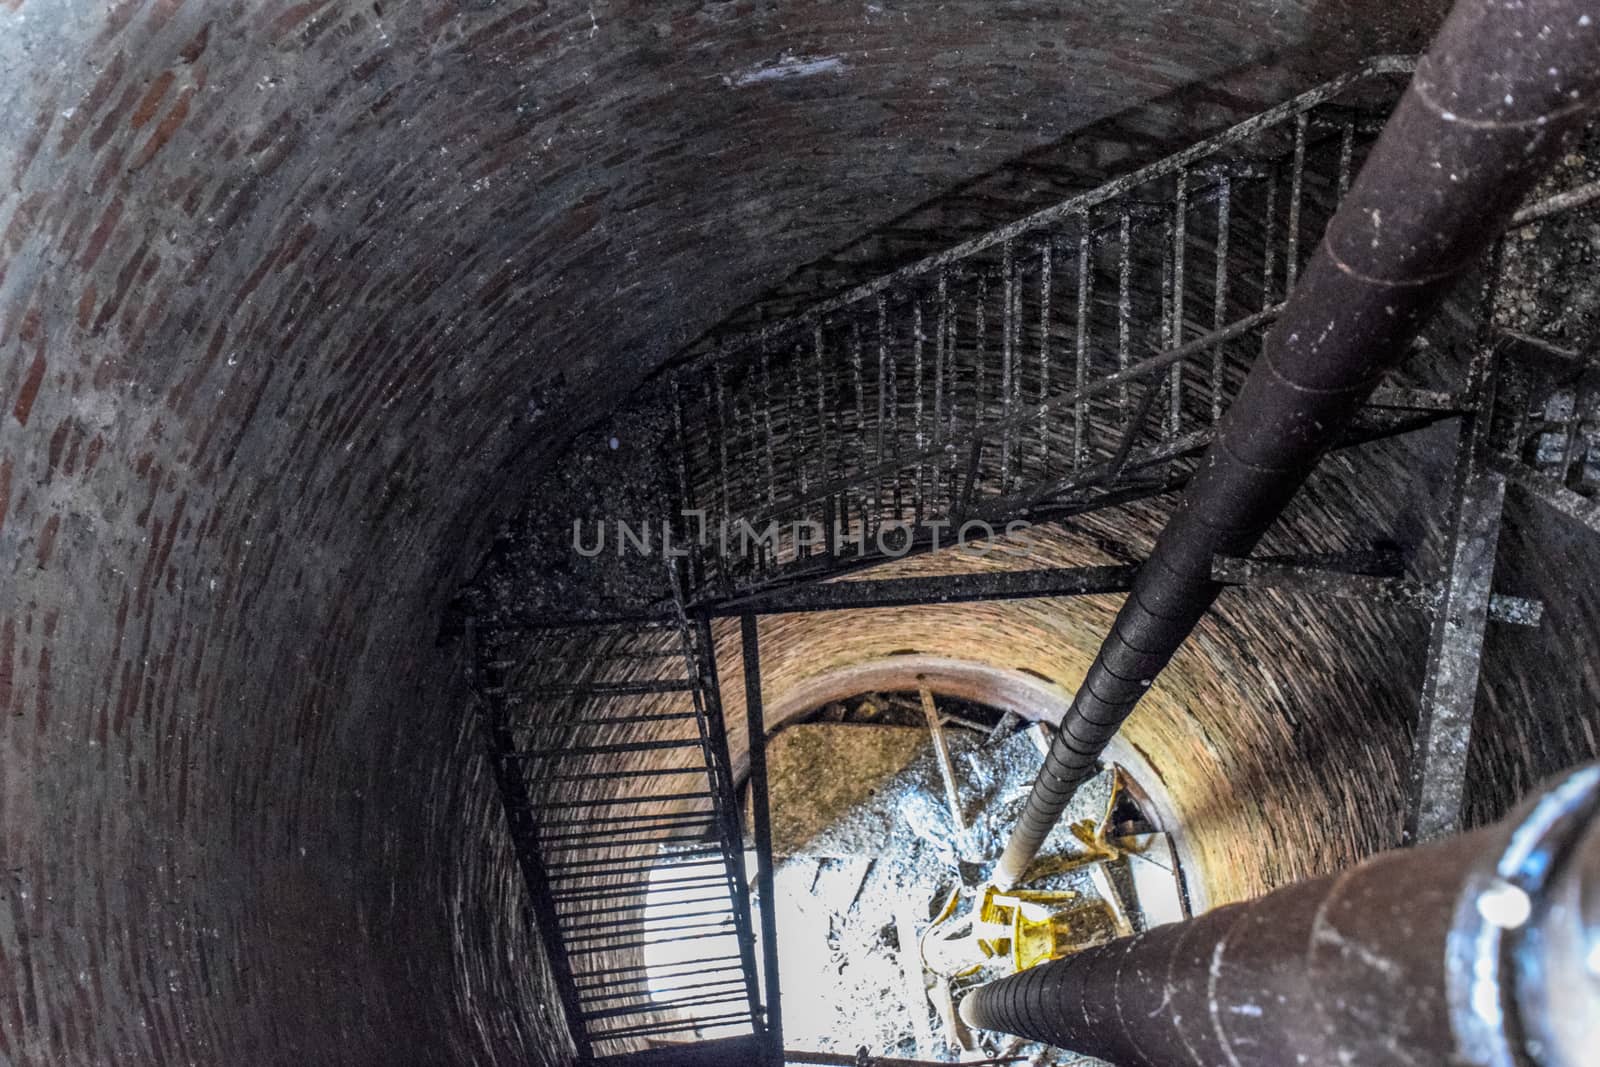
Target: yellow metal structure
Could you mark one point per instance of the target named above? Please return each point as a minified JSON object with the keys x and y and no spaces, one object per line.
{"x":1028,"y":927}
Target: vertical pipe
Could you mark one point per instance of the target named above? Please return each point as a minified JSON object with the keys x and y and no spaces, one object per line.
{"x":1438,"y":773}
{"x":1487,"y":110}
{"x":756,"y":726}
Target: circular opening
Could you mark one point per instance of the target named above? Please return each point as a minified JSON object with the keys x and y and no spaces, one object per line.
{"x":885,"y":828}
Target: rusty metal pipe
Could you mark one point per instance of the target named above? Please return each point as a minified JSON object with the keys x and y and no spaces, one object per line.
{"x":1480,"y":950}
{"x":1485,"y":113}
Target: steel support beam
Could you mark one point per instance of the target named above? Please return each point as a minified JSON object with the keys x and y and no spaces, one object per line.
{"x":1345,"y":575}
{"x":835,"y":1059}
{"x":1438,"y":772}
{"x":933,"y":589}
{"x":1426,"y":597}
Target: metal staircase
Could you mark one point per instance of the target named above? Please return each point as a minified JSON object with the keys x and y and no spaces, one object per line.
{"x":1073,"y":360}
{"x":611,"y":757}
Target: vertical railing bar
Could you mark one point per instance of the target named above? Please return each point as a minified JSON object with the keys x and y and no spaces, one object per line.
{"x":1046,"y":282}
{"x":1269,"y":257}
{"x":700,"y":661}
{"x":1163,"y":326}
{"x":1007,"y":341}
{"x":685,"y":483}
{"x":1347,"y":144}
{"x":981,"y":316}
{"x":1017,"y":361}
{"x":892,"y":377}
{"x":922,"y":442}
{"x":755,"y":722}
{"x":825,"y":436}
{"x":1180,"y":242}
{"x":1124,"y":304}
{"x":750,"y":435}
{"x":952,"y":312}
{"x":1296,"y":186}
{"x":766,"y":418}
{"x":1080,"y":373}
{"x":942,"y":339}
{"x":861,"y":404}
{"x":799,"y":445}
{"x":1219,"y":309}
{"x":883,"y":399}
{"x":685,"y":492}
{"x":721,"y":403}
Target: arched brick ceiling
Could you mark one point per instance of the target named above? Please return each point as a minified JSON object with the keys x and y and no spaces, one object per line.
{"x":292,"y":296}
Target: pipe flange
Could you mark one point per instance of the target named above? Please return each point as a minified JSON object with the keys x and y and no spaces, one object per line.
{"x":1498,"y":960}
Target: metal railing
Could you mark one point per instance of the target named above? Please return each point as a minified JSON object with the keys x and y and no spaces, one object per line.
{"x":1076,"y":356}
{"x":611,"y":756}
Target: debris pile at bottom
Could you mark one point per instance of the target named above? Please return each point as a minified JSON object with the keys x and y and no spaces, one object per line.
{"x":869,"y":855}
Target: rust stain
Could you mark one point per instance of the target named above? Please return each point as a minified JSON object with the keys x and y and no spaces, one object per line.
{"x":151,"y":101}
{"x":58,"y":445}
{"x":195,"y":48}
{"x":164,"y":132}
{"x":102,"y":234}
{"x":285,"y":23}
{"x":161,"y":12}
{"x":30,"y":389}
{"x":22,"y":221}
{"x":91,"y":104}
{"x":86,"y":305}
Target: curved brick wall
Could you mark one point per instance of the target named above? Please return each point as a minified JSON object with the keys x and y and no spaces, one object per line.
{"x":292,"y":297}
